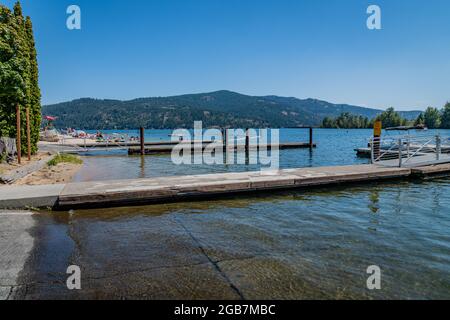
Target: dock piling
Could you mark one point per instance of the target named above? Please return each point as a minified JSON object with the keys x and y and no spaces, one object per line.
{"x":225,"y":140}
{"x":247,"y":140}
{"x":223,"y":136}
{"x":142,"y":134}
{"x":247,"y":145}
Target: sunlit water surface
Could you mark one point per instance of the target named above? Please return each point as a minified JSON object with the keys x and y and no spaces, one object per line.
{"x":296,"y":244}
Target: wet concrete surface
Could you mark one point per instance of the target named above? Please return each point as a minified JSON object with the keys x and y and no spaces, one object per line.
{"x":285,"y":246}
{"x":121,"y":259}
{"x":16,"y":245}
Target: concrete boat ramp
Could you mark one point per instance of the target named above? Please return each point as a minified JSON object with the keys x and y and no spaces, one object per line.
{"x":178,"y":188}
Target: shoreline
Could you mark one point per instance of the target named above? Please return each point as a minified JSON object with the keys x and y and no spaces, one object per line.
{"x":38,"y":171}
{"x":49,"y":175}
{"x":11,"y":172}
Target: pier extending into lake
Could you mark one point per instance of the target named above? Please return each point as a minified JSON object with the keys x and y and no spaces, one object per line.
{"x":167,"y":148}
{"x":198,"y":187}
{"x":142,"y":147}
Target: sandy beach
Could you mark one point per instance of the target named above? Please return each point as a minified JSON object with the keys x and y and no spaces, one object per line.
{"x":61,"y":173}
{"x":6,"y":168}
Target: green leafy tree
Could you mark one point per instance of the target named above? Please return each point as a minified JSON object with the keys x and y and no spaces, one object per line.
{"x":445,"y":122}
{"x":18,"y":75}
{"x":432,"y":118}
{"x":420,"y":120}
{"x":35,"y":92}
{"x":328,"y":122}
{"x":18,"y":12}
{"x":391,"y":118}
{"x":346,"y":121}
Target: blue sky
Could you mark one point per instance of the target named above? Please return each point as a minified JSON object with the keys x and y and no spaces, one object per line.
{"x":311,"y":48}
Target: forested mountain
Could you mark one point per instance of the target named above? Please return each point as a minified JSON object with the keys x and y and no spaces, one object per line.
{"x":220,"y":108}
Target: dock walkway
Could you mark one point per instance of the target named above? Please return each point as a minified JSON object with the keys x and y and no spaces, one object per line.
{"x":167,"y":148}
{"x":158,"y":147}
{"x":171,"y":189}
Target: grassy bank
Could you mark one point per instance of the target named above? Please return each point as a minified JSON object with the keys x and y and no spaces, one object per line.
{"x":64,"y":158}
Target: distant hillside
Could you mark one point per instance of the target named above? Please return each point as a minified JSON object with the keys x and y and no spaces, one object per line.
{"x":221,"y":108}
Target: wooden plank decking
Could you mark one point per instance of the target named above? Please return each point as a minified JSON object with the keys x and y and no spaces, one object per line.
{"x":155,"y":149}
{"x":435,"y":171}
{"x":167,"y":189}
{"x":171,"y":189}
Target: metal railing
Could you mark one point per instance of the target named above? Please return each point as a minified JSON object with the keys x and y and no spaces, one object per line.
{"x":410,"y":151}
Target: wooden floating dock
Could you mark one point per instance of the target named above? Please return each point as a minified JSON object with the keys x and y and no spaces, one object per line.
{"x":112,"y":144}
{"x":429,"y":172}
{"x":170,"y":189}
{"x":141,"y":147}
{"x":158,"y":149}
{"x":198,"y":187}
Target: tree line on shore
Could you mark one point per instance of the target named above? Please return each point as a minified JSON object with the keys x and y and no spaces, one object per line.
{"x":18,"y":76}
{"x":432,"y":118}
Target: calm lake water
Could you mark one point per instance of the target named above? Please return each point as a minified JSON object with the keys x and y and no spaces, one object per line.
{"x":335,"y":147}
{"x":282,"y":245}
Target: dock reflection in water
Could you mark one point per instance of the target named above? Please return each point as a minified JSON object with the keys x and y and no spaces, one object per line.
{"x":334,"y":147}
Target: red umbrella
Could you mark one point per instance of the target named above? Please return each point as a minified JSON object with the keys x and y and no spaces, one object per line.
{"x":50,"y":118}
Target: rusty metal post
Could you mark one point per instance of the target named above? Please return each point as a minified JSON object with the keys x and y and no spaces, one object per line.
{"x":18,"y":136}
{"x":28,"y":135}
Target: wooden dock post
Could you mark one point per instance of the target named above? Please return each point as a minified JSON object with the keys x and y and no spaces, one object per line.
{"x":225,"y":139}
{"x":311,"y":143}
{"x":247,"y":146}
{"x":18,"y":136}
{"x":247,"y":140}
{"x":28,"y":135}
{"x":142,"y":140}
